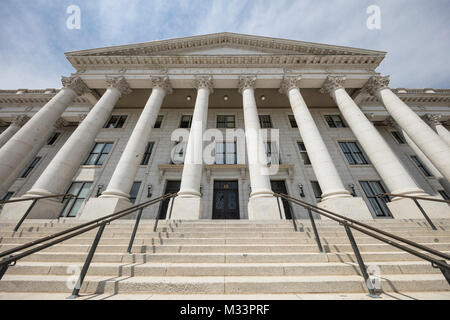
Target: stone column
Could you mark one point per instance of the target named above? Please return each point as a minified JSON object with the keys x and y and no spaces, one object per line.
{"x":433,"y":146}
{"x":262,"y":204}
{"x":334,"y":195}
{"x":16,"y":152}
{"x":19,"y":122}
{"x":59,"y":173}
{"x":188,"y":204}
{"x":388,"y":166}
{"x":433,"y":120}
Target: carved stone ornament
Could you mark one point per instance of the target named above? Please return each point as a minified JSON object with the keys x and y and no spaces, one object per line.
{"x":204,"y":82}
{"x":20,"y":120}
{"x":433,"y":119}
{"x":120,"y":84}
{"x":332,"y":83}
{"x":163,"y":83}
{"x":389,"y":122}
{"x":76,"y":84}
{"x":375,"y":84}
{"x":246,"y":82}
{"x":288,"y":83}
{"x":60,"y":123}
{"x":82,"y":116}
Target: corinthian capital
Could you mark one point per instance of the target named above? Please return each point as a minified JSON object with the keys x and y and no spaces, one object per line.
{"x":433,"y":119}
{"x":375,"y":84}
{"x":120,"y":84}
{"x":332,"y":83}
{"x":204,"y":82}
{"x":76,"y":84}
{"x":20,"y":120}
{"x":288,"y":83}
{"x":246,"y":82}
{"x":163,"y":83}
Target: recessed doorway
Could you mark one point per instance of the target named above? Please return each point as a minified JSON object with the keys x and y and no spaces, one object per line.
{"x":226,"y":200}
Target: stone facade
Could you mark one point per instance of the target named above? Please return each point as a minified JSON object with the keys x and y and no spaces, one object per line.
{"x":132,"y":70}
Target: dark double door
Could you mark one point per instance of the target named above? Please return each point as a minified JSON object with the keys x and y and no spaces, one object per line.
{"x":279,"y":186}
{"x":226,"y":200}
{"x":171,"y":187}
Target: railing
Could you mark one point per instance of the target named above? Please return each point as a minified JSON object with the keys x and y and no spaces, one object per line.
{"x":10,"y":260}
{"x":35,"y":200}
{"x":378,"y":234}
{"x":416,"y":201}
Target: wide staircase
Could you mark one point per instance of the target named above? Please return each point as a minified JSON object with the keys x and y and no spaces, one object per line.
{"x":223,"y":257}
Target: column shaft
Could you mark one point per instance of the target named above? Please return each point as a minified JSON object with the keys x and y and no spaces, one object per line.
{"x":125,"y":172}
{"x":443,"y":133}
{"x":8,"y":133}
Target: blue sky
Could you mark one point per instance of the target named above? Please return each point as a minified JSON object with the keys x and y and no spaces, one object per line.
{"x":34,"y":36}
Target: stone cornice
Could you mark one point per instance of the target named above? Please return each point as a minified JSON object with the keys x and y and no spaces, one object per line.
{"x":415,"y":96}
{"x":76,"y":84}
{"x":332,"y":83}
{"x":204,"y":82}
{"x":33,"y":97}
{"x":163,"y":83}
{"x":432,"y":119}
{"x":246,"y":82}
{"x":375,"y":84}
{"x":288,"y":83}
{"x":119,"y":83}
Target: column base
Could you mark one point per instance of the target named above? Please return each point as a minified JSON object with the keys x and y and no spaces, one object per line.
{"x":43,"y":209}
{"x":350,"y":207}
{"x":187,"y":208}
{"x":99,"y":207}
{"x":407,"y":209}
{"x":264,"y":208}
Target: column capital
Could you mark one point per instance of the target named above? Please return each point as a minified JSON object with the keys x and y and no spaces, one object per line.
{"x":288,"y":83}
{"x":433,"y":119}
{"x":60,"y":123}
{"x":120,"y":84}
{"x":389,"y":122}
{"x":246,"y":82}
{"x":375,"y":84}
{"x":20,"y":120}
{"x":163,"y":83}
{"x":76,"y":84}
{"x":332,"y":83}
{"x":204,"y":82}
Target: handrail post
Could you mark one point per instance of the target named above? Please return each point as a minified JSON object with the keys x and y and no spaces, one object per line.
{"x":156,"y":222}
{"x":87,"y":263}
{"x":362,"y":267}
{"x":424,"y":214}
{"x":25,"y":215}
{"x":4,"y":267}
{"x":316,"y":234}
{"x":445,"y":271}
{"x":171,"y":207}
{"x":133,"y":235}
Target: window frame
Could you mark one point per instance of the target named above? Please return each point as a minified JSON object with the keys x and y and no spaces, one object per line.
{"x":350,"y":154}
{"x":105,"y":143}
{"x":225,"y":152}
{"x":8,"y":195}
{"x":303,"y":153}
{"x":158,"y":122}
{"x":444,"y":194}
{"x":316,"y":188}
{"x":117,"y":122}
{"x":421,"y":166}
{"x":397,"y":137}
{"x":133,"y":199}
{"x":147,"y":153}
{"x":270,"y":152}
{"x":332,"y":123}
{"x":72,"y":203}
{"x":263,"y":123}
{"x":380,"y":201}
{"x":33,"y":164}
{"x":53,"y":138}
{"x":292,"y":121}
{"x":225,"y":122}
{"x":190,"y":121}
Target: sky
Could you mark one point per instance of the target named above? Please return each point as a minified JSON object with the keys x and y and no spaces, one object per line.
{"x":34,"y":35}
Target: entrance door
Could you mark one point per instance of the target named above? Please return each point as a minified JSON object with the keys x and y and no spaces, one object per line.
{"x":279,"y":186}
{"x":171,"y":187}
{"x":226,"y":200}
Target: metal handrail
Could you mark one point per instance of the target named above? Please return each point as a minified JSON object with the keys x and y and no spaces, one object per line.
{"x":59,"y":237}
{"x":349,"y":224}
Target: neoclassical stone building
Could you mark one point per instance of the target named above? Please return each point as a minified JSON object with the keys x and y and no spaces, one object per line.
{"x":109,"y":135}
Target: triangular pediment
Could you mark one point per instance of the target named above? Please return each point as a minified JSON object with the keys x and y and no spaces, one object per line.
{"x":224,"y":44}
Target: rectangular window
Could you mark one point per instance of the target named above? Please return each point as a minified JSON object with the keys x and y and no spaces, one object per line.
{"x":353,"y":153}
{"x":292,"y":121}
{"x":30,"y":167}
{"x":7,"y":196}
{"x":303,"y":153}
{"x":421,"y":166}
{"x":134,"y":191}
{"x":147,"y":154}
{"x":178,"y":152}
{"x":317,"y":190}
{"x":158,"y":122}
{"x":80,"y":190}
{"x":226,"y":153}
{"x":398,"y":137}
{"x":186,"y":121}
{"x":272,"y":153}
{"x":378,"y":204}
{"x":53,"y":138}
{"x":443,"y":194}
{"x":226,"y":122}
{"x":265,"y":121}
{"x":116,"y":122}
{"x":99,"y":153}
{"x":335,"y":121}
